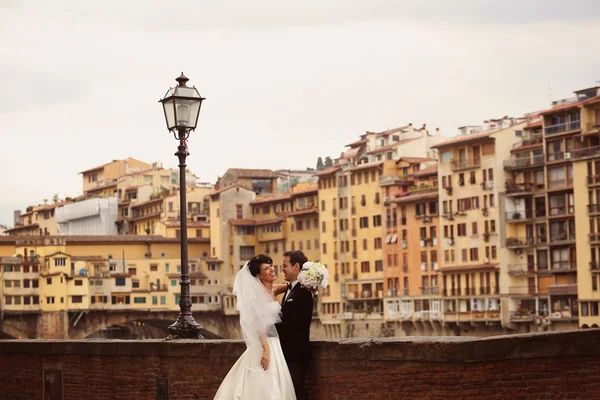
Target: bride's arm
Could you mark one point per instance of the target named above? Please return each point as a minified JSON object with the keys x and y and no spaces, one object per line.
{"x":279,"y":288}
{"x":264,"y":360}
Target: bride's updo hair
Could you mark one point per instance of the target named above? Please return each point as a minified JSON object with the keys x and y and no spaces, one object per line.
{"x":256,"y":261}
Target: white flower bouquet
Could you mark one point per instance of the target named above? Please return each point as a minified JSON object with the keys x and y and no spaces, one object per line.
{"x":314,"y":275}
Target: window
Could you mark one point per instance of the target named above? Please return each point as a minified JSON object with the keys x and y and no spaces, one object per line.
{"x":461,"y":229}
{"x":153,"y":267}
{"x":377,"y":199}
{"x":474,"y":254}
{"x":446,"y":156}
{"x":323,"y":227}
{"x":78,"y":282}
{"x":173,"y":282}
{"x":377,"y":243}
{"x":77,"y":299}
{"x":324,"y":248}
{"x":378,"y":266}
{"x":135,"y":285}
{"x":365,"y":267}
{"x":474,"y":228}
{"x":60,"y":262}
{"x":139,"y":300}
{"x":50,"y":300}
{"x":239,"y":211}
{"x":119,"y":281}
{"x":163,"y":300}
{"x":48,"y":281}
{"x":376,"y":220}
{"x":246,"y":252}
{"x":364,"y":222}
{"x":154,"y":300}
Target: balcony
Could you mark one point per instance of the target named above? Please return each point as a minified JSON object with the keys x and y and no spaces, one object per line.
{"x":405,"y":268}
{"x":429,"y":290}
{"x":517,"y":163}
{"x":460,"y":165}
{"x":593,"y":179}
{"x":594,"y":238}
{"x":585,"y":152}
{"x":562,"y":128}
{"x":334,"y":211}
{"x":519,"y":216}
{"x":521,"y":269}
{"x":522,"y":316}
{"x":563,"y":290}
{"x":563,"y":266}
{"x":519,"y":242}
{"x":529,"y":290}
{"x":562,"y":238}
{"x":594,"y":266}
{"x":388,"y":180}
{"x":532,"y":139}
{"x":393,"y":292}
{"x":561,"y":211}
{"x":523,"y":189}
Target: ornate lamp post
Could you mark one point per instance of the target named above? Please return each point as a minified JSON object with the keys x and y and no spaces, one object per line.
{"x":181,"y":105}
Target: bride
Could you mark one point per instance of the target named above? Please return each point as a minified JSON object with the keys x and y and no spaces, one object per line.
{"x":261,"y":372}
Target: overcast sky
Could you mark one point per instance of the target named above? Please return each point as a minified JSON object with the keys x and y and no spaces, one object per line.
{"x":285,"y":81}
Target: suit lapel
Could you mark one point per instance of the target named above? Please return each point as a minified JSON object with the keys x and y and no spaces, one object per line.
{"x":290,"y":294}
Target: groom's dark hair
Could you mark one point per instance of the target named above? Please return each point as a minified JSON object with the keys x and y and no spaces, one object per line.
{"x":256,"y":261}
{"x":296,"y":257}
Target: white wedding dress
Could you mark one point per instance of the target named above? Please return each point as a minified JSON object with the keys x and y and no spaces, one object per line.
{"x":247,"y":380}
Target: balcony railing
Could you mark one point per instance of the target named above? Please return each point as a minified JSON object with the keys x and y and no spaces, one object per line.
{"x":533,"y":139}
{"x":522,"y":316}
{"x":523,"y":290}
{"x":563,"y":290}
{"x":519,"y":242}
{"x":594,"y":237}
{"x":521,"y":269}
{"x":593,"y":179}
{"x":523,"y":188}
{"x":430,"y":290}
{"x":585,"y":152}
{"x":594,"y":265}
{"x":524,"y":162}
{"x":465,"y":164}
{"x":562,"y":237}
{"x":563,"y":266}
{"x":519,"y":215}
{"x":564,"y":127}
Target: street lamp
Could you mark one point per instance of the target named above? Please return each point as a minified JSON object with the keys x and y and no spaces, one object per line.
{"x":181,"y":105}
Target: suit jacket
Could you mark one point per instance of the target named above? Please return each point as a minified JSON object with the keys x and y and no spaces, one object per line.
{"x":294,"y":328}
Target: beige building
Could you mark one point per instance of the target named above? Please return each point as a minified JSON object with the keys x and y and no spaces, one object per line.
{"x":472,"y":228}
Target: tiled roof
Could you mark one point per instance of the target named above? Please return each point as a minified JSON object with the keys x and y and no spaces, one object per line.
{"x":534,"y":124}
{"x":147,"y":216}
{"x":272,"y":199}
{"x":88,"y":258}
{"x":414,"y":160}
{"x":303,"y":212}
{"x":159,"y":200}
{"x":268,"y":221}
{"x":468,"y":267}
{"x":431,"y":170}
{"x":214,"y":260}
{"x":305,"y":192}
{"x":391,"y":146}
{"x":464,"y":139}
{"x":219,"y":191}
{"x":242,"y":222}
{"x":23,"y":228}
{"x":97,"y":168}
{"x":357,"y":143}
{"x":564,"y":107}
{"x":366,"y":166}
{"x":328,"y":170}
{"x":394,"y":130}
{"x":422,"y":195}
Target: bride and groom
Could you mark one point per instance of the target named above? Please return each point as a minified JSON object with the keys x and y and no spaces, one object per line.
{"x":276,"y":335}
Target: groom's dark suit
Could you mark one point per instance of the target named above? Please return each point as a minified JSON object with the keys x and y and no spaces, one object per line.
{"x":294,"y":333}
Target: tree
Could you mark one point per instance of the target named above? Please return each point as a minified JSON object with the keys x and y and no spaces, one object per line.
{"x":45,"y":201}
{"x":55,"y":198}
{"x":320,"y":165}
{"x":328,"y":162}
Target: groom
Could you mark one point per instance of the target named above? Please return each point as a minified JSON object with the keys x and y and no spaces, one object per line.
{"x":294,"y":328}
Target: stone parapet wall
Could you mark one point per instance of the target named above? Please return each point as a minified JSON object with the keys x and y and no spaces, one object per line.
{"x":562,"y":365}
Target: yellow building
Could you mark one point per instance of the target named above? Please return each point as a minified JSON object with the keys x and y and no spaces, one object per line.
{"x":411,"y":247}
{"x":102,"y":180}
{"x":352,"y":229}
{"x":82,"y":273}
{"x":38,"y":220}
{"x":586,"y":197}
{"x":472,"y":228}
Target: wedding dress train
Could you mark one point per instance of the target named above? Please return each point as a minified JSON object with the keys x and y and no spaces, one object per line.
{"x":248,"y":381}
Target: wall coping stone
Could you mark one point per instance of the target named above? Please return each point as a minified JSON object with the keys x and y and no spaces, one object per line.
{"x":454,"y":349}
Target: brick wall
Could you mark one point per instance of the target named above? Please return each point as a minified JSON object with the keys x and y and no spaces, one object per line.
{"x":534,"y":366}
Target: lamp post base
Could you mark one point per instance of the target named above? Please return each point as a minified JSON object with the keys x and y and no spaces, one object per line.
{"x":185,"y":327}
